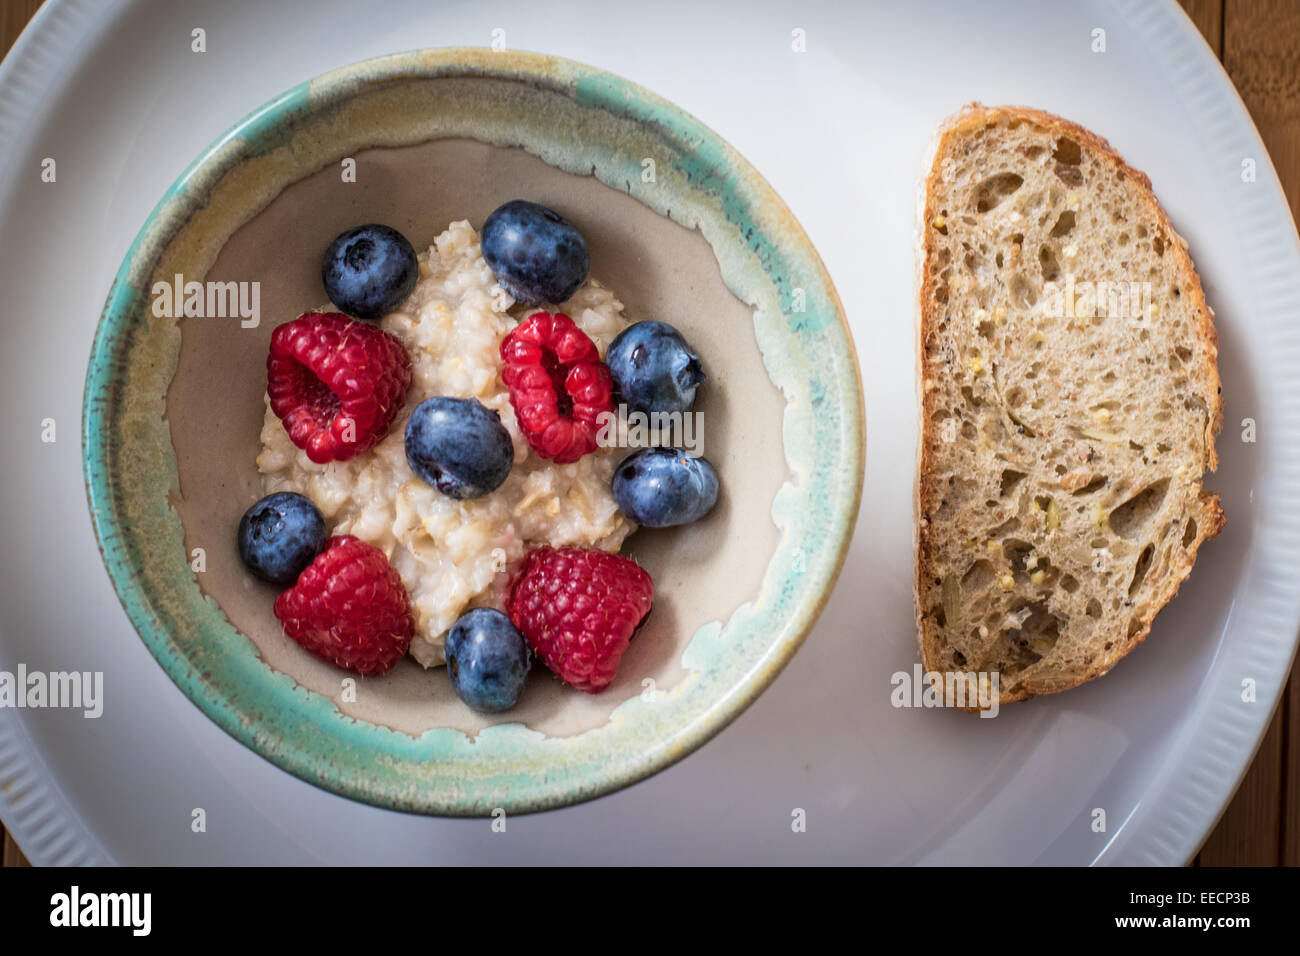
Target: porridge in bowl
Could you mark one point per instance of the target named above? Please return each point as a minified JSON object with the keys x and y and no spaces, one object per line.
{"x":456,"y":554}
{"x":455,"y":439}
{"x":175,"y":408}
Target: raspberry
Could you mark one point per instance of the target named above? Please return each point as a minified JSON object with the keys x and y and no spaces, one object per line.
{"x":558,"y":385}
{"x":578,"y":610}
{"x":335,"y":383}
{"x":349,"y":607}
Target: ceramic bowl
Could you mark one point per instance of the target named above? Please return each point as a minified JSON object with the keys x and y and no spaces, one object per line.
{"x":678,"y":224}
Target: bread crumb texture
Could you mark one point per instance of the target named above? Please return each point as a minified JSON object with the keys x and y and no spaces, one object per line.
{"x":1070,"y":401}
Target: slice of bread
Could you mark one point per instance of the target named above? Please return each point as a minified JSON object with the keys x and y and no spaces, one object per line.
{"x":1066,"y":424}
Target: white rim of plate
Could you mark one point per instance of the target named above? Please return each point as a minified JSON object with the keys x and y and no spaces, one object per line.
{"x":36,"y":811}
{"x":1216,"y":744}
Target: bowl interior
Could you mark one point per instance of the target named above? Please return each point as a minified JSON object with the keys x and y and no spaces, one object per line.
{"x":679,"y":226}
{"x":659,"y":269}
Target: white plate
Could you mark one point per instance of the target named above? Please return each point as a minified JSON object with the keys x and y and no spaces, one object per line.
{"x":115,"y":95}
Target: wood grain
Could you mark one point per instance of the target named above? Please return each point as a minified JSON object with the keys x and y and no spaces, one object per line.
{"x":1208,"y":17}
{"x":1261,"y":52}
{"x":14,"y":15}
{"x":12,"y":856}
{"x":1259,"y":43}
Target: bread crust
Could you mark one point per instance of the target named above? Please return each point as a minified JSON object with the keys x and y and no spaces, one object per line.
{"x":1210,"y":519}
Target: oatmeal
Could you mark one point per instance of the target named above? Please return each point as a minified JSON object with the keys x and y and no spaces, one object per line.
{"x":453,"y":555}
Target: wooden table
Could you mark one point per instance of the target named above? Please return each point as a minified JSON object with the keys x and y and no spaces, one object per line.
{"x":1259,"y":44}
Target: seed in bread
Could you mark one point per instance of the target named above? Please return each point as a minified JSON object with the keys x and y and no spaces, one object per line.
{"x":1070,"y":399}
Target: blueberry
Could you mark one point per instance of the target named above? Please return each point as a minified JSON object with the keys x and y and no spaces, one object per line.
{"x":537,"y":254}
{"x":663,"y":487}
{"x":458,"y":446}
{"x":653,"y":368}
{"x":369,"y":270}
{"x":280,"y":535}
{"x":487,"y":660}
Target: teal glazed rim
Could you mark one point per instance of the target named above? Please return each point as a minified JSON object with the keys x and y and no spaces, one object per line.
{"x":584,"y":121}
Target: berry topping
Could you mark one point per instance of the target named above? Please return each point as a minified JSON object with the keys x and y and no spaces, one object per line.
{"x":558,"y":385}
{"x":280,"y":535}
{"x":368,"y":271}
{"x":487,"y":660}
{"x":653,"y":368}
{"x":663,"y":487}
{"x":349,"y":607}
{"x":578,"y":610}
{"x":537,"y":255}
{"x":335,"y":383}
{"x":458,"y":446}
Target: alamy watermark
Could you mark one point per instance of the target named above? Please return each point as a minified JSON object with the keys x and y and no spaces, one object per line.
{"x":74,"y":908}
{"x":37,"y":689}
{"x":974,"y":689}
{"x":630,"y":429}
{"x":209,"y":300}
{"x":1086,"y":300}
